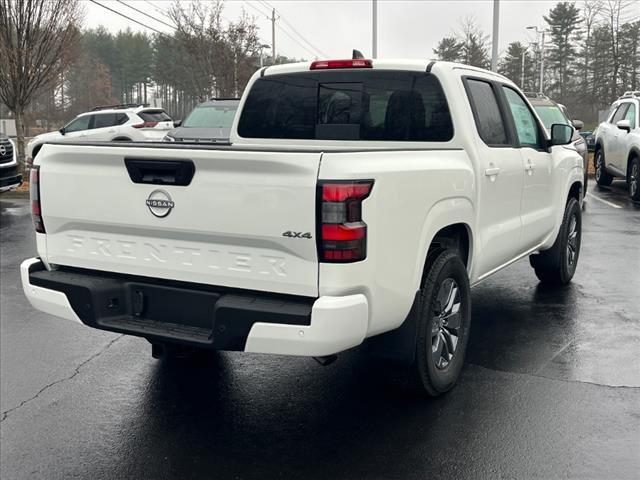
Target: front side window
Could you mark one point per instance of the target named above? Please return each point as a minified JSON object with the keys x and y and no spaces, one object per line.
{"x":631,"y":115}
{"x":371,"y":105}
{"x":489,"y":121}
{"x":620,"y":113}
{"x":79,"y":124}
{"x":523,"y":119}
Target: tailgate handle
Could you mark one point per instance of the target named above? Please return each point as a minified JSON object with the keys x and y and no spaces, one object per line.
{"x":160,"y":172}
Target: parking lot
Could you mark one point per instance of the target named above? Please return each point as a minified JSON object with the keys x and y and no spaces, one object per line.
{"x":551,"y":387}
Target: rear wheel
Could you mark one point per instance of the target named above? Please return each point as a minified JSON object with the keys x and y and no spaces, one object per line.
{"x":443,"y":324}
{"x":634,"y":179}
{"x":602,"y":176}
{"x":557,"y":265}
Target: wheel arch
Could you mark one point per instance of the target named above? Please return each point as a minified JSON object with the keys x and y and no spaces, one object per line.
{"x":447,"y":225}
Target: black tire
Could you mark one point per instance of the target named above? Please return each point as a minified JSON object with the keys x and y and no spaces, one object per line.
{"x":436,"y":336}
{"x":603,"y":177}
{"x":633,"y":179}
{"x":557,"y":265}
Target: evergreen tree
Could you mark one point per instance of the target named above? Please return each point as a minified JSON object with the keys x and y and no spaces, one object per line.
{"x":516,"y":61}
{"x":449,"y":49}
{"x":564,"y":22}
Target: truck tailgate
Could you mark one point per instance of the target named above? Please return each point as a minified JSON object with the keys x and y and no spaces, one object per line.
{"x":226,"y":227}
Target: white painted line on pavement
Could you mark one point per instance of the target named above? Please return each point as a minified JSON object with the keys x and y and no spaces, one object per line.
{"x":611,"y":204}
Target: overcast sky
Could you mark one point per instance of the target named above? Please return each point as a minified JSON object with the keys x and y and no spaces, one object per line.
{"x":406,"y":29}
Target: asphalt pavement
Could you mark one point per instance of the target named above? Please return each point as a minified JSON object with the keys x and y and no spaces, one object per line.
{"x":551,"y":387}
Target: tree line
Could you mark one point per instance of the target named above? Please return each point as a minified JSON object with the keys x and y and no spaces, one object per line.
{"x":53,"y":69}
{"x":591,"y":54}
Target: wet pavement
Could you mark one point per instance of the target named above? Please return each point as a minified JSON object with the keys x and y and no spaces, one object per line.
{"x":551,"y":387}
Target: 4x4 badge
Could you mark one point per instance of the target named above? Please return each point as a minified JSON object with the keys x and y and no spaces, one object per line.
{"x":160,"y":203}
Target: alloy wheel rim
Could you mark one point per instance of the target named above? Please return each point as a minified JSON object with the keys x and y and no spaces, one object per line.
{"x":598,"y":166}
{"x":633,"y":184}
{"x":447,"y":322}
{"x":572,"y":241}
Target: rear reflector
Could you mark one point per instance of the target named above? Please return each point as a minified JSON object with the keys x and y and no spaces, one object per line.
{"x":331,"y":64}
{"x":342,"y":235}
{"x":34,"y":194}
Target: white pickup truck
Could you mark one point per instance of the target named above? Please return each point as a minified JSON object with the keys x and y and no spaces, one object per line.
{"x":356,"y":201}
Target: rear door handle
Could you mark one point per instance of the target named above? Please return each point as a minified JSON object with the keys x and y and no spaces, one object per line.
{"x":490,"y":172}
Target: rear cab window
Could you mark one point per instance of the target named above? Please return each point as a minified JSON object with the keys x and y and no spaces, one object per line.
{"x":361,"y":105}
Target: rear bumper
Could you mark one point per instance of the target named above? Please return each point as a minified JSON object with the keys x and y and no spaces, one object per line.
{"x":219,"y":319}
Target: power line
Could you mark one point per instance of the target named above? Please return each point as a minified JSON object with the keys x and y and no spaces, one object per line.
{"x":159,"y":10}
{"x":252,"y":5}
{"x":315,"y":50}
{"x":146,"y":14}
{"x":129,"y":18}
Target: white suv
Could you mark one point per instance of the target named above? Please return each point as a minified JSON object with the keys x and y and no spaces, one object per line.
{"x":116,"y":123}
{"x":618,"y":144}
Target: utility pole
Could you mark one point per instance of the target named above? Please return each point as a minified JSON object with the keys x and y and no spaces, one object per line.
{"x":374,"y":28}
{"x":494,"y":38}
{"x":542,"y":64}
{"x":524,"y":50}
{"x":273,"y":36}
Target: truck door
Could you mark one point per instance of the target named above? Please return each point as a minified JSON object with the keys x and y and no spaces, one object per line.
{"x":500,"y":180}
{"x":538,"y":201}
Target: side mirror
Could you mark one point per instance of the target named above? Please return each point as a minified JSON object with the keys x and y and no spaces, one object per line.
{"x":577,"y":124}
{"x":624,"y":125}
{"x":561,"y":134}
{"x":62,"y":131}
{"x":177,"y":123}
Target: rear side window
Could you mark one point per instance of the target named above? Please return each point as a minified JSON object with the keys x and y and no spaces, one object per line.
{"x":211,"y":116}
{"x":347,"y":105}
{"x":154,"y":116}
{"x":485,"y":108}
{"x":104,"y":120}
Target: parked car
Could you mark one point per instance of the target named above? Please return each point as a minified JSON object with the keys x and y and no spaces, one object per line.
{"x":358,"y":200}
{"x":9,"y":176}
{"x":551,"y":112}
{"x":617,"y":151}
{"x":209,"y":122}
{"x":115,"y":123}
{"x":589,"y":138}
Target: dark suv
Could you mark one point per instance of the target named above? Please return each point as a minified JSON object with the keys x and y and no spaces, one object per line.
{"x":9,"y":176}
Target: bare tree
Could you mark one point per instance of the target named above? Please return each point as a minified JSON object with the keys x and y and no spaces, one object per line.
{"x":616,"y":14}
{"x":37,"y":38}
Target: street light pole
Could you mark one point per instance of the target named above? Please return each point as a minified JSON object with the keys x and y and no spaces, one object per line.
{"x":524,"y":50}
{"x":374,"y":28}
{"x":494,"y":39}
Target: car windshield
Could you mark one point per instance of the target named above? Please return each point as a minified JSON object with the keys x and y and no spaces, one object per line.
{"x":211,"y":116}
{"x":550,"y":114}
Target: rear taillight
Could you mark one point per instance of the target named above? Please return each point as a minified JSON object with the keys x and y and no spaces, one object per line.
{"x":333,"y":64}
{"x":145,"y":125}
{"x":342,"y":235}
{"x":34,"y":194}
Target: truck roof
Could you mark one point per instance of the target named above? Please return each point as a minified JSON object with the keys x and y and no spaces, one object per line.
{"x":391,"y":64}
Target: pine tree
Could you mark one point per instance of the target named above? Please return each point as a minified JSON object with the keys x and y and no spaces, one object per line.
{"x":564,"y":23}
{"x":449,"y":49}
{"x":516,"y":61}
